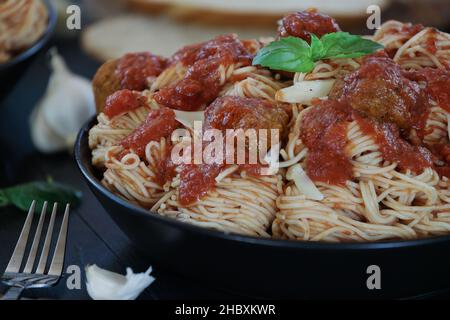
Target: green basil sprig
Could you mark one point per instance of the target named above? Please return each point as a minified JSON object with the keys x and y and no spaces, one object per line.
{"x":22,"y":195}
{"x":296,"y":55}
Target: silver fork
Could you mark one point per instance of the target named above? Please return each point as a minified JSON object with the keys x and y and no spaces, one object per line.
{"x":19,"y":281}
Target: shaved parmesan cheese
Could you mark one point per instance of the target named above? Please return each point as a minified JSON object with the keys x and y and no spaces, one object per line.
{"x":187,"y":118}
{"x":304,"y":91}
{"x":303,"y":182}
{"x":102,"y":284}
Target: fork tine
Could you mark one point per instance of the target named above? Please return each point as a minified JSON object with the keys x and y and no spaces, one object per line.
{"x":48,"y":239}
{"x":17,"y":256}
{"x":58,"y":257}
{"x":37,"y":238}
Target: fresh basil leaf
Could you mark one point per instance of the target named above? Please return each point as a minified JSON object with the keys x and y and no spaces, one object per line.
{"x":317,"y":48}
{"x":288,"y":54}
{"x":345,"y":45}
{"x":296,"y":55}
{"x":22,"y":195}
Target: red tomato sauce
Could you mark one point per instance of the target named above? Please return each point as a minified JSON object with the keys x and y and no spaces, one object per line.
{"x":133,"y":69}
{"x":303,"y":24}
{"x":158,"y":124}
{"x":224,"y":44}
{"x":394,"y":148}
{"x":165,"y":168}
{"x":203,"y":79}
{"x":437,"y":84}
{"x":431,"y":45}
{"x":408,"y":30}
{"x":388,"y":104}
{"x":244,"y":113}
{"x":187,"y":55}
{"x":229,"y":113}
{"x":411,"y":29}
{"x":196,"y":181}
{"x":324,"y":130}
{"x":444,"y":171}
{"x":123,"y":101}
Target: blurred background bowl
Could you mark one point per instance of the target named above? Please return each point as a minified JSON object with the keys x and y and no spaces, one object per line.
{"x":12,"y":71}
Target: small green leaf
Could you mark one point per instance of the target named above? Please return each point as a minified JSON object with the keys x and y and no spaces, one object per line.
{"x":296,"y":55}
{"x":317,"y":48}
{"x":22,"y":195}
{"x":288,"y":54}
{"x":345,"y":45}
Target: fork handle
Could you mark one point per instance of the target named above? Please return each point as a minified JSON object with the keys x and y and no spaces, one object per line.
{"x":13,"y":293}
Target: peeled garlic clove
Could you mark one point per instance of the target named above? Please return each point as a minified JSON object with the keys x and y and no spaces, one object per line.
{"x":70,"y":101}
{"x":67,"y":104}
{"x":106,"y":285}
{"x":304,"y":91}
{"x":45,"y":139}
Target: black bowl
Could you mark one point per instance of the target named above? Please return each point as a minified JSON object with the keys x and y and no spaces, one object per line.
{"x":11,"y":71}
{"x":275,"y":268}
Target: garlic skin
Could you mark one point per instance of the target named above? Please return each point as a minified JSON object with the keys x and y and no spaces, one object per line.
{"x":67,"y":104}
{"x":102,"y":284}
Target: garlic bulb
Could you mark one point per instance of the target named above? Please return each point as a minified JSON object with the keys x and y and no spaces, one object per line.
{"x":102,"y":284}
{"x":67,"y":104}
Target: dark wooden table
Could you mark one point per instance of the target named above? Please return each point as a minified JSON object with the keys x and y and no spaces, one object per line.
{"x":93,"y":237}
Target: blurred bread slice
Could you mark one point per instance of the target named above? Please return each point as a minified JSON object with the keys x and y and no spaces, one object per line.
{"x":251,"y":12}
{"x":163,"y":35}
{"x":113,"y":37}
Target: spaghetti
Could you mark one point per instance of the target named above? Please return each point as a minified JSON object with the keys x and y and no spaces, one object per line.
{"x":365,"y":150}
{"x":414,"y":46}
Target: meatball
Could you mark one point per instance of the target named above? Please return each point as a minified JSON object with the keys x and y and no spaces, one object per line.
{"x":244,"y":113}
{"x":135,"y":69}
{"x":303,"y":24}
{"x":379,"y":90}
{"x":105,"y":83}
{"x":132,"y":71}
